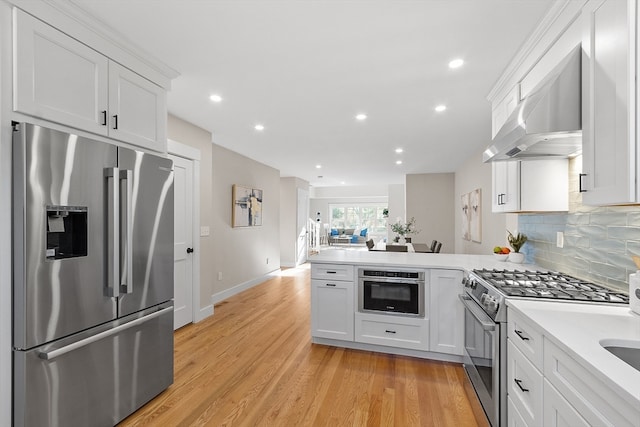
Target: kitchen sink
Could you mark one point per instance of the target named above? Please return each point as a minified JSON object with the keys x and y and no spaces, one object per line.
{"x":627,"y":351}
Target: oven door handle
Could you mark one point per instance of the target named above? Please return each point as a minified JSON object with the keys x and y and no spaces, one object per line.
{"x":487,"y":323}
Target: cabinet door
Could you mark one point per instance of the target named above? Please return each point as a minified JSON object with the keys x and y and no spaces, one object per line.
{"x":506,"y":186}
{"x":608,"y":135}
{"x":502,"y":111}
{"x":446,"y":330}
{"x":332,"y":309}
{"x":58,"y":78}
{"x":557,"y":412}
{"x":137,"y":109}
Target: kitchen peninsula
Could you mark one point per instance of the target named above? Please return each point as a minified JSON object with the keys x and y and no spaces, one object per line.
{"x":435,"y":333}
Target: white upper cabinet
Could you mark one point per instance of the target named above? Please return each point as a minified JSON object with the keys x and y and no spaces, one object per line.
{"x":59,"y":79}
{"x":608,"y":105}
{"x":138,"y":108}
{"x":530,"y":186}
{"x":506,"y":186}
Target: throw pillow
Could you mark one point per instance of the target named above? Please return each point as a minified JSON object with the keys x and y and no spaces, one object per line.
{"x":334,"y":231}
{"x":363,"y":232}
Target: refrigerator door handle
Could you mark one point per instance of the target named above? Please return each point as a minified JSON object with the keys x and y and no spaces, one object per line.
{"x":113,"y":231}
{"x":126,"y":280}
{"x":50,"y":355}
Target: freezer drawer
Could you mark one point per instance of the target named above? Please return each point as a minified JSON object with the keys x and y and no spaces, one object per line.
{"x":96,"y":378}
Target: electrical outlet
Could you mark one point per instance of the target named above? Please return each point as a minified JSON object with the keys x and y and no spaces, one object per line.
{"x":219,"y":275}
{"x":560,"y":239}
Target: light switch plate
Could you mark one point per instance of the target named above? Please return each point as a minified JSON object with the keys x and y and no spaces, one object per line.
{"x":204,"y":231}
{"x":560,"y":239}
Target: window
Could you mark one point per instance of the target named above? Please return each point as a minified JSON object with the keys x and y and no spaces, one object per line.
{"x":366,"y":215}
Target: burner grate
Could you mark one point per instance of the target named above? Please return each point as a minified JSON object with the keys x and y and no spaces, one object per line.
{"x":549,"y":285}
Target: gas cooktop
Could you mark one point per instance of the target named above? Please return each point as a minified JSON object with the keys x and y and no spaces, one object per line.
{"x":548,"y":285}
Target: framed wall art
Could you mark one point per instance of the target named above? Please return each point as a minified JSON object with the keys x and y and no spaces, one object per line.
{"x":246,"y":206}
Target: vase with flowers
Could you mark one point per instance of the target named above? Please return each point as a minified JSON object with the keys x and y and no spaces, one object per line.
{"x":516,"y":242}
{"x":403,"y":229}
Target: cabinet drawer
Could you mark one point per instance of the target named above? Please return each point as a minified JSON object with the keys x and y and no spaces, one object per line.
{"x":557,"y":412}
{"x":524,"y":386}
{"x":391,"y":331}
{"x":592,"y":398}
{"x":332,"y":272}
{"x":526,"y":337}
{"x":514,"y":419}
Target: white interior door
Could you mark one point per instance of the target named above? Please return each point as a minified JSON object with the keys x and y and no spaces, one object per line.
{"x":183,"y":241}
{"x":301,"y":226}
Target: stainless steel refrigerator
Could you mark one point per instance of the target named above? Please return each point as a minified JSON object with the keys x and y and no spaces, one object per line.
{"x":92,"y":279}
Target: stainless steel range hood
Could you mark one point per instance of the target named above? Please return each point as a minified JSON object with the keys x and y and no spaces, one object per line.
{"x":547,"y":123}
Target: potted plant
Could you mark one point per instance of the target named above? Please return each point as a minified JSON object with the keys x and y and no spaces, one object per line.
{"x":516,"y":243}
{"x":385,"y":213}
{"x":402,"y":230}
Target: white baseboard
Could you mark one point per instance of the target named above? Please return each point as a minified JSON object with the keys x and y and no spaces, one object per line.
{"x":288,"y":264}
{"x":227,"y":293}
{"x":203,"y":313}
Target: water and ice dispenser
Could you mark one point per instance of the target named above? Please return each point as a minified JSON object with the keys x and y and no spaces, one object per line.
{"x":66,"y":232}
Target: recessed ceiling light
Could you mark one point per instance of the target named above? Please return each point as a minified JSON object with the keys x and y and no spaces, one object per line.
{"x":456,"y":63}
{"x":361,"y":117}
{"x":342,"y":182}
{"x":318,"y":166}
{"x":215,"y":98}
{"x":399,"y":150}
{"x":258,"y":127}
{"x":441,"y":108}
{"x":398,"y":162}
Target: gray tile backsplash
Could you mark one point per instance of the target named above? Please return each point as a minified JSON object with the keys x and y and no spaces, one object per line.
{"x":598,"y":241}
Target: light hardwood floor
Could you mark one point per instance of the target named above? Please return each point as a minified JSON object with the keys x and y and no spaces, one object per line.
{"x":253,"y":364}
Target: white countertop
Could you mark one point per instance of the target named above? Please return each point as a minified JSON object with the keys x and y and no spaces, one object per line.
{"x":578,"y":329}
{"x":416,"y":260}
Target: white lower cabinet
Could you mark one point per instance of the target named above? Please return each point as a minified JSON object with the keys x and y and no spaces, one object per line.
{"x":548,"y":387}
{"x":394,"y":331}
{"x":524,"y":386}
{"x":514,"y":419}
{"x":557,"y":412}
{"x":333,"y":304}
{"x":446,"y":312}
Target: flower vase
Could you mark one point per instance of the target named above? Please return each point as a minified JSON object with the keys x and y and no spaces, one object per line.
{"x":516,"y":257}
{"x":402,"y":240}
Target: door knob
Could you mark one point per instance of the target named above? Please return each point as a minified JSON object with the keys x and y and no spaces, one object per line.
{"x":189,"y":250}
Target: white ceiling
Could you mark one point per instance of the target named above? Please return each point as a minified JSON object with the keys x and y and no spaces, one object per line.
{"x":305,"y":68}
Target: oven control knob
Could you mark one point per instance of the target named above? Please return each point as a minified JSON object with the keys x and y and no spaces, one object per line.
{"x":491,"y":303}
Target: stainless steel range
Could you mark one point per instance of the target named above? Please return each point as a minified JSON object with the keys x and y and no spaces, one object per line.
{"x":484,"y":297}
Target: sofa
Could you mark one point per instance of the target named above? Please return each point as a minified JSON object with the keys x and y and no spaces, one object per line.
{"x":355,"y":235}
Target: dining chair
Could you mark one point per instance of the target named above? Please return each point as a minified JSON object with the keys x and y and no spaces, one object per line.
{"x":437,"y":248}
{"x":370,"y":244}
{"x":433,"y":245}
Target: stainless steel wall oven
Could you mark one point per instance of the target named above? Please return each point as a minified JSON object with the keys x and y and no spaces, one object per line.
{"x":391,"y":291}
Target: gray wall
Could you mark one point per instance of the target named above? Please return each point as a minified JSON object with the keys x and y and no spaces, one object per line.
{"x":429,"y":199}
{"x":598,"y":241}
{"x":241,"y":253}
{"x":476,"y":174}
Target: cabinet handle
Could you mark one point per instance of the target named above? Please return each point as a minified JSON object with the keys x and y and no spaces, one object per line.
{"x":104,"y":117}
{"x":519,"y":333}
{"x":581,"y":189}
{"x":331,"y":284}
{"x":390,"y":331}
{"x":331,"y":272}
{"x":519,"y":384}
{"x":115,"y":121}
